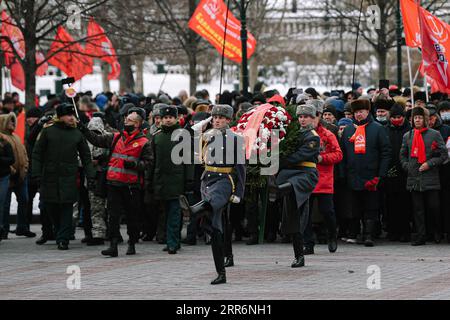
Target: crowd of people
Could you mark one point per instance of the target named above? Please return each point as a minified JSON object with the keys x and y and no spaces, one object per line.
{"x":383,"y":168}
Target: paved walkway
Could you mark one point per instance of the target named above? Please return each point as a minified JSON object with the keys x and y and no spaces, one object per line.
{"x":28,"y":271}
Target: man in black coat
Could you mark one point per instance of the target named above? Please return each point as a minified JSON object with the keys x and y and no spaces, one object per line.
{"x":398,"y":200}
{"x":367,"y":154}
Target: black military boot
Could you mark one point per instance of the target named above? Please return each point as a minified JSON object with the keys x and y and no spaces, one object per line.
{"x":369,"y":232}
{"x":199,"y":209}
{"x":112,"y":250}
{"x":229,"y":262}
{"x":297,"y":241}
{"x":332,"y":243}
{"x":217,"y":250}
{"x":253,"y":239}
{"x":131,"y":249}
{"x":41,"y":240}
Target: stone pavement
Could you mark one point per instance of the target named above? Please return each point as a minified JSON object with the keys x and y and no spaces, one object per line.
{"x":28,"y":271}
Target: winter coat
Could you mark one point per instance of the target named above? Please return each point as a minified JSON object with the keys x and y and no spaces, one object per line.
{"x":169,"y":180}
{"x":436,"y":154}
{"x":6,"y":158}
{"x":55,"y":162}
{"x":107,"y":140}
{"x":396,"y":178}
{"x":20,"y":167}
{"x":361,"y":168}
{"x":331,"y":154}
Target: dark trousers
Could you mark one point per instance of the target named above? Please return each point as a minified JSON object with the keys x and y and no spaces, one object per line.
{"x":343,"y":207}
{"x":61,"y":217}
{"x":398,"y":209}
{"x":365,"y":207}
{"x":273,"y":218}
{"x":85,"y":207}
{"x":32,"y":190}
{"x":217,"y":247}
{"x":227,"y":232}
{"x":149,"y":218}
{"x":236,"y":218}
{"x":21,"y":192}
{"x":326,"y":209}
{"x":426,"y":212}
{"x":124,"y":199}
{"x":173,"y":212}
{"x":365,"y":204}
{"x":48,"y":231}
{"x":252,"y":211}
{"x":191,"y":232}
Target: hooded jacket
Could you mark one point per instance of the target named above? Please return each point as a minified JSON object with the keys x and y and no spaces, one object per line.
{"x":19,"y":168}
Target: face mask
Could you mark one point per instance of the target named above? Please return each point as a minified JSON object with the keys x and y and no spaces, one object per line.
{"x":382,"y":119}
{"x":397,"y":122}
{"x":445,"y":116}
{"x":129,"y":128}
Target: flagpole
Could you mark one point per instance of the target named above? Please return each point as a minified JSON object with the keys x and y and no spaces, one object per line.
{"x":410,"y":76}
{"x":425,"y":83}
{"x":356,"y":45}
{"x":223,"y":48}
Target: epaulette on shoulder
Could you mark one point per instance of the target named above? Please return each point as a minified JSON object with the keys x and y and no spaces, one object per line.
{"x":314,"y":132}
{"x":48,"y":124}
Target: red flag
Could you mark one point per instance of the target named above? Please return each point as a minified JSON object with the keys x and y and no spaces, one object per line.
{"x":99,"y":45}
{"x":410,"y":14}
{"x":69,"y":56}
{"x":15,"y":36}
{"x":435,"y":36}
{"x":208,"y":21}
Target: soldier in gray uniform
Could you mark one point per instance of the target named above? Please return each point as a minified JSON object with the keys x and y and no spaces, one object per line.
{"x":297,"y":179}
{"x":223,"y":181}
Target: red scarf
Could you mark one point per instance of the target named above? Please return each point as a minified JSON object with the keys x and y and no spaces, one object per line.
{"x":418,"y":146}
{"x":359,"y":139}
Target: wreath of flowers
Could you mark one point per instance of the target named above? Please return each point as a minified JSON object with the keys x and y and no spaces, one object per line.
{"x":275,"y":118}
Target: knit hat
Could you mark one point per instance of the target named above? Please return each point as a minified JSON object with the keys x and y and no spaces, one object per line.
{"x":397,"y":110}
{"x":345,"y":122}
{"x":338,"y":104}
{"x":360,"y":104}
{"x":101,"y":101}
{"x":331,"y":109}
{"x":302,"y":98}
{"x":34,"y":113}
{"x":443,"y":105}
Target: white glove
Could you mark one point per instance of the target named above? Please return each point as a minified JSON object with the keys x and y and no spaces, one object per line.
{"x":235,"y":199}
{"x":201,"y":126}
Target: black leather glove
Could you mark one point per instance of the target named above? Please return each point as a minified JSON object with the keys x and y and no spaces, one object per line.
{"x":81,"y":126}
{"x":43,"y":120}
{"x":129,"y":164}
